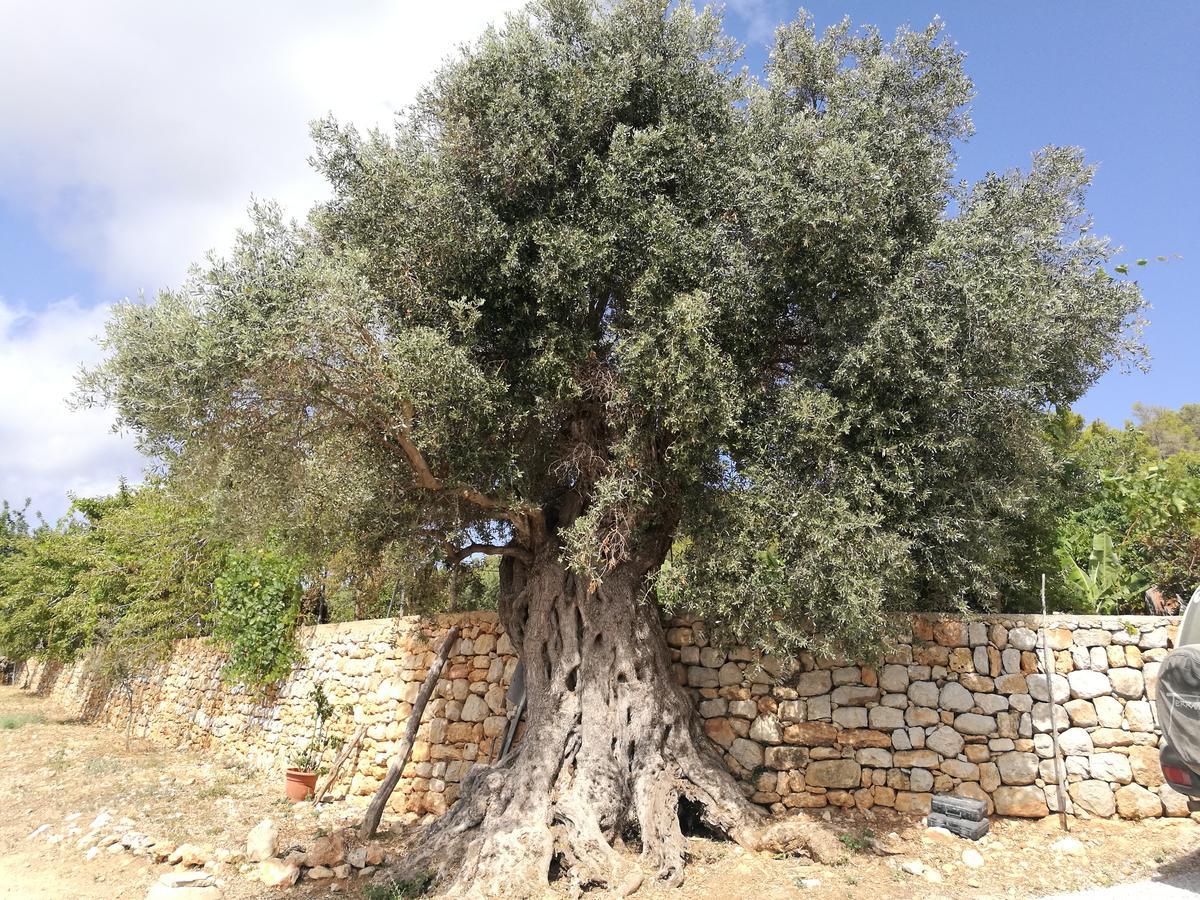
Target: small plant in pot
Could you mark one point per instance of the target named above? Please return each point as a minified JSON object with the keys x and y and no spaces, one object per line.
{"x":307,"y":765}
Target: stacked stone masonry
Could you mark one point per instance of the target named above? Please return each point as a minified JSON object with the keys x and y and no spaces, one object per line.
{"x":956,"y":706}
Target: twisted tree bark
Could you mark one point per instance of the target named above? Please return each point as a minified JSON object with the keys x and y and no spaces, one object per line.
{"x":612,"y":744}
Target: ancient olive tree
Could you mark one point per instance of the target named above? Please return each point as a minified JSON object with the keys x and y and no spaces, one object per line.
{"x":654,"y":331}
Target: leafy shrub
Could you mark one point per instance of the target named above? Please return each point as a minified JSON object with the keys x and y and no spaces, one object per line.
{"x":1128,"y":516}
{"x":400,"y":889}
{"x":128,"y":573}
{"x":857,"y":843}
{"x":1104,"y":585}
{"x":310,"y":757}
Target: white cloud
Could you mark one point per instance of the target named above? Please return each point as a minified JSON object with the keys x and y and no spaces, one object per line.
{"x":136,"y":131}
{"x":46,"y":448}
{"x":761,"y":18}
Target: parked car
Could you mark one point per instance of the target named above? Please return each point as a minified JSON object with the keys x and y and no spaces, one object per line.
{"x":1178,"y":704}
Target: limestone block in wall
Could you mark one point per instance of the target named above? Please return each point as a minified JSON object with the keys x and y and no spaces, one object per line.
{"x":1139,"y":716}
{"x":1111,"y":767}
{"x":950,"y":633}
{"x":767,"y":729}
{"x":1174,"y":804}
{"x":1144,"y":765}
{"x":819,"y":707}
{"x":1150,"y":673}
{"x":913,"y":803}
{"x":786,"y":757}
{"x":833,"y":773}
{"x":1075,"y":741}
{"x":746,"y":709}
{"x":955,"y":698}
{"x":793,"y":711}
{"x":1092,"y":637}
{"x":1136,"y":802}
{"x":1127,"y":682}
{"x":1036,"y":685}
{"x":885,"y":717}
{"x":920,"y":717}
{"x":850,"y":717}
{"x":1017,"y":768}
{"x":975,"y":724}
{"x":1155,"y":638}
{"x":1082,"y":713}
{"x":1109,"y":711}
{"x":924,"y":693}
{"x":1023,"y":801}
{"x":748,"y":753}
{"x":1021,"y":638}
{"x":990,"y":704}
{"x":1040,"y":719}
{"x":810,"y":684}
{"x":894,"y":678}
{"x":811,"y":734}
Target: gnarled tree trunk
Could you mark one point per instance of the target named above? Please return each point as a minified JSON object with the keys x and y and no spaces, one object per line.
{"x":611,"y":743}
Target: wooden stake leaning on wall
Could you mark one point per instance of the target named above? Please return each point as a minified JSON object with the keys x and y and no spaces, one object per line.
{"x":516,"y":695}
{"x":128,"y":688}
{"x":337,"y":764}
{"x":1048,"y":665}
{"x":379,"y":801}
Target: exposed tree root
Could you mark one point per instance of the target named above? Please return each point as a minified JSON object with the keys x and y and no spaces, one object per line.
{"x":791,"y":834}
{"x":611,"y":744}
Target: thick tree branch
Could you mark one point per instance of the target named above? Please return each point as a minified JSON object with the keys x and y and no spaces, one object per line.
{"x":489,"y":550}
{"x":393,"y":437}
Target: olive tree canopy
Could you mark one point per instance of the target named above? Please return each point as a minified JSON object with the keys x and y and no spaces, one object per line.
{"x":600,"y":294}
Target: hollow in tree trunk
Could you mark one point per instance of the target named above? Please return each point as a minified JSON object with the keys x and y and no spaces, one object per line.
{"x":611,"y":745}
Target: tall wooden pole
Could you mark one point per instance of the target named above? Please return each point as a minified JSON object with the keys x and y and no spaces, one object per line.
{"x":1048,"y":665}
{"x":379,"y":801}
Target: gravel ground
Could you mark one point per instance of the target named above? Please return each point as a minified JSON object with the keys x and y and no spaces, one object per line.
{"x":1177,"y":888}
{"x":1174,"y":880}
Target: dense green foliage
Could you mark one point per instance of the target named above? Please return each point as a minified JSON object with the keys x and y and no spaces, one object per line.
{"x":602,"y":292}
{"x":126,"y":575}
{"x":1128,"y":505}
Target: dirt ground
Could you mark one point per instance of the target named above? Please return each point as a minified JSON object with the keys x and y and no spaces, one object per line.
{"x":63,"y":775}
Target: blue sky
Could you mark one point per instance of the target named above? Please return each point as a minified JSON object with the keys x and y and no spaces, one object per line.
{"x":142,"y":130}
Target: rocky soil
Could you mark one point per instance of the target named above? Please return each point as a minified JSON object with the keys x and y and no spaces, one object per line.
{"x":894,"y":857}
{"x":86,"y":818}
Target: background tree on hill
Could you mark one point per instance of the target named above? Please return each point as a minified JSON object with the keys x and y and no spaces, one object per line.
{"x":1170,"y":431}
{"x":656,"y":333}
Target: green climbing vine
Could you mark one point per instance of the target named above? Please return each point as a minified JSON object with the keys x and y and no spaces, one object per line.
{"x":258,"y":607}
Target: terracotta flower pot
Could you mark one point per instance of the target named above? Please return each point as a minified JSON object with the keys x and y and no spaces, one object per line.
{"x":300,"y":784}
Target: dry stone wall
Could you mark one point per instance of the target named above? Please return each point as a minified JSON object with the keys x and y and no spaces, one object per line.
{"x":956,"y":706}
{"x":370,"y":670}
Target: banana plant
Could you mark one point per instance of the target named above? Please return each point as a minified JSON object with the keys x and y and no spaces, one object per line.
{"x":1104,"y":586}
